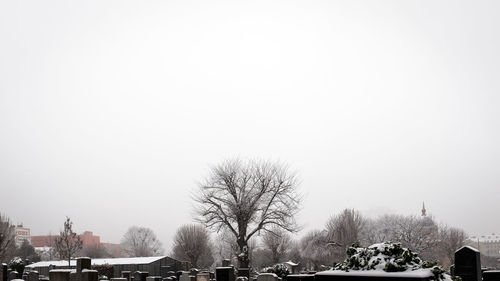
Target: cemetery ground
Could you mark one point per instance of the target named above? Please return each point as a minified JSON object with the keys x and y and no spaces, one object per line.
{"x":383,"y":261}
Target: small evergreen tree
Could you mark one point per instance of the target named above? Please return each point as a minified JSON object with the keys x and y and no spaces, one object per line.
{"x":68,"y":243}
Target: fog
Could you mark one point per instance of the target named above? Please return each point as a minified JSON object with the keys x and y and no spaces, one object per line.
{"x":111,"y":112}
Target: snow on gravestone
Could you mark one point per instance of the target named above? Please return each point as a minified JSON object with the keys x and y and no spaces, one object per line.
{"x":224,"y":273}
{"x":3,"y":272}
{"x":267,"y":277}
{"x":12,"y":275}
{"x":468,"y":264}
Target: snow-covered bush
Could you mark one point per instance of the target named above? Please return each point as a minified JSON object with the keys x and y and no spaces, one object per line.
{"x":279,"y":269}
{"x":17,"y":264}
{"x":388,"y":257}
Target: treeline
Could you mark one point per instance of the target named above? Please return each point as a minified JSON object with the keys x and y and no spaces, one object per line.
{"x":321,"y":248}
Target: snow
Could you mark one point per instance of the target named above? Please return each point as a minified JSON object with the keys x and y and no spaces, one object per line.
{"x":110,"y":261}
{"x":470,"y":248}
{"x":386,"y":260}
{"x":419,"y":273}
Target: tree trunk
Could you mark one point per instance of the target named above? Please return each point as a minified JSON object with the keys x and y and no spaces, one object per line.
{"x":243,"y":259}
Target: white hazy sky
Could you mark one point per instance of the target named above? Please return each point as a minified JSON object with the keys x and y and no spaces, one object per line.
{"x":112,"y":111}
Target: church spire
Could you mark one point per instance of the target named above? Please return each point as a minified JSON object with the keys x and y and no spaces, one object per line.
{"x":424,"y":211}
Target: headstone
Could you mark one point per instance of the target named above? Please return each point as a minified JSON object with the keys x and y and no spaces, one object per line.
{"x":193,"y":271}
{"x":491,"y":275}
{"x":3,"y":272}
{"x":468,"y":264}
{"x":184,"y":276}
{"x":126,"y":275}
{"x":226,"y":263}
{"x":59,"y":274}
{"x":119,"y":279}
{"x":153,"y":278}
{"x":83,"y":263}
{"x":224,"y":274}
{"x":203,"y":277}
{"x":242,"y":278}
{"x":43,"y":278}
{"x":244,"y":272}
{"x":267,"y":277}
{"x":33,"y":276}
{"x":170,"y":273}
{"x":89,"y":275}
{"x":25,"y":276}
{"x":12,"y":275}
{"x":140,"y":275}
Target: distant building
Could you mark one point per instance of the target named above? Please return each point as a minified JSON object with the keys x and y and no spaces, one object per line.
{"x":488,"y":245}
{"x":88,"y":239}
{"x":156,"y":266}
{"x":22,"y":233}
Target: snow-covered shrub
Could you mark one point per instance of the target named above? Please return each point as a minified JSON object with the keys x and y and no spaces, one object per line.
{"x":17,"y":264}
{"x":279,"y":269}
{"x":388,"y":257}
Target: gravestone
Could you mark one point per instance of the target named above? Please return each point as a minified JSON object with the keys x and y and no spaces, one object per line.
{"x":140,"y":275}
{"x":118,"y":279}
{"x":89,"y":275}
{"x":185,"y":276}
{"x":83,"y":263}
{"x":267,"y":277}
{"x":59,"y":274}
{"x":170,"y":273}
{"x":127,"y":275}
{"x":203,"y":277}
{"x":468,"y":264}
{"x":226,"y":263}
{"x":244,"y":272}
{"x":491,"y":275}
{"x":241,"y":278}
{"x":224,"y":274}
{"x":3,"y":272}
{"x":33,"y":276}
{"x":178,"y":274}
{"x":300,"y":277}
{"x":193,"y":272}
{"x":12,"y":275}
{"x":25,"y":276}
{"x":153,"y":278}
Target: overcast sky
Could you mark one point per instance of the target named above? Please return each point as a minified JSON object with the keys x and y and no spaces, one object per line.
{"x":112,"y":111}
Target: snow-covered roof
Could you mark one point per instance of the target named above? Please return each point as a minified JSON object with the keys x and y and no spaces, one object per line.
{"x":110,"y":261}
{"x":291,"y":263}
{"x":485,"y":238}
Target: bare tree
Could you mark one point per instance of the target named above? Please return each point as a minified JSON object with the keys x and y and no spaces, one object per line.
{"x":141,"y":242}
{"x":315,"y":250}
{"x":192,"y":243}
{"x":246,"y":198}
{"x":68,"y":243}
{"x":95,"y":251}
{"x":343,"y":230}
{"x":7,"y":238}
{"x":277,"y":242}
{"x":451,"y":239}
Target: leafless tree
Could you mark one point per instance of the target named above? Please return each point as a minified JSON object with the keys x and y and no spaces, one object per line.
{"x":277,"y":242}
{"x":7,"y":238}
{"x":451,"y":239}
{"x":141,"y":242}
{"x":315,"y":250}
{"x":420,"y":234}
{"x":343,"y":230}
{"x":246,"y":198}
{"x":94,"y":251}
{"x":192,"y":243}
{"x":68,"y":243}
